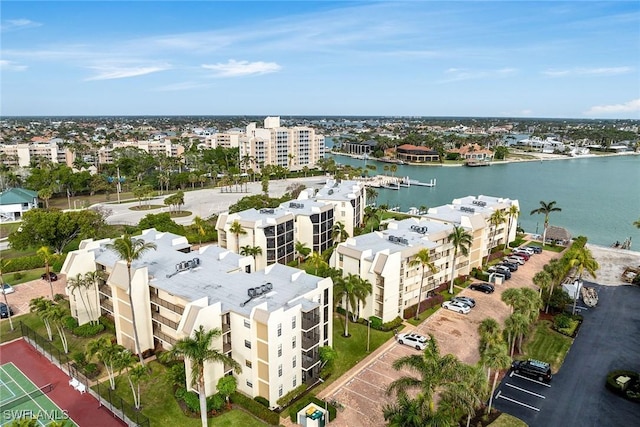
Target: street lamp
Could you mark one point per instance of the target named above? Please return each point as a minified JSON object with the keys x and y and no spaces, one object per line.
{"x":368,"y":333}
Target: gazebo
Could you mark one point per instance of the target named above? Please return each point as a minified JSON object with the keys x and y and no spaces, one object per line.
{"x":558,"y":235}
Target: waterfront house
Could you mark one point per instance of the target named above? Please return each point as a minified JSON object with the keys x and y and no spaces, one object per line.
{"x":14,"y":202}
{"x":416,"y":154}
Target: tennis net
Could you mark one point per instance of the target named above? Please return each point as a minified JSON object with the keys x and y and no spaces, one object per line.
{"x":25,"y":397}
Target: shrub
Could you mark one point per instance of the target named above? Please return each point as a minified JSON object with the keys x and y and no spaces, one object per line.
{"x":190,"y":399}
{"x":255,"y":408}
{"x":69,"y":322}
{"x":261,"y":400}
{"x":58,"y":297}
{"x":17,"y":276}
{"x":376,"y":322}
{"x":392,"y":325}
{"x":632,"y":391}
{"x":289,"y":397}
{"x":30,"y":262}
{"x":88,"y":330}
{"x":561,"y":321}
{"x":215,"y":402}
{"x":108,"y":324}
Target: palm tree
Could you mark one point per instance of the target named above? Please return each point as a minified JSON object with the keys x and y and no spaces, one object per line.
{"x":546,"y":209}
{"x":46,"y":255}
{"x":422,"y":259}
{"x":497,"y":358}
{"x":339,"y":233}
{"x":80,"y":284}
{"x":201,"y":227}
{"x":54,"y":314}
{"x":466,"y":395}
{"x":237,"y":229}
{"x":516,"y":327}
{"x":497,"y":217}
{"x":316,"y":260}
{"x":542,"y":280}
{"x":129,"y":249}
{"x":512,"y":213}
{"x":40,"y":306}
{"x":511,"y":297}
{"x":109,"y":354}
{"x":405,"y":412}
{"x":461,"y":241}
{"x":302,"y":250}
{"x":135,"y":375}
{"x":371,"y":194}
{"x":354,"y":290}
{"x":197,"y":349}
{"x":490,"y":334}
{"x":582,"y":259}
{"x":556,"y":272}
{"x":251,"y":251}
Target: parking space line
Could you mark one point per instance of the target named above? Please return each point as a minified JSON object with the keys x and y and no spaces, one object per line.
{"x":371,"y":384}
{"x":528,"y":379}
{"x":379,"y":373}
{"x":500,"y":396}
{"x":525,"y":390}
{"x":362,"y":395}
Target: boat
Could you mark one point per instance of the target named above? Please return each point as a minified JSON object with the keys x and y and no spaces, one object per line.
{"x":391,"y":186}
{"x":589,"y":296}
{"x":475,"y":164}
{"x":431,"y":183}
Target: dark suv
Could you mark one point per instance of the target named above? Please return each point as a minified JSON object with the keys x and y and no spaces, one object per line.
{"x":535,"y":369}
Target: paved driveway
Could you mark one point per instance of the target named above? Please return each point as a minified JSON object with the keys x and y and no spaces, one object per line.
{"x":25,"y":292}
{"x":362,"y":389}
{"x":608,"y":339}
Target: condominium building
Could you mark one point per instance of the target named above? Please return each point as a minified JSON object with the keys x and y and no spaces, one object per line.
{"x":157,"y":148}
{"x":273,"y":321}
{"x":384,"y":258}
{"x":348,"y":199}
{"x":23,"y":154}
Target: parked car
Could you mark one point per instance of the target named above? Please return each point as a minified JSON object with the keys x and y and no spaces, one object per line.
{"x":529,"y":249}
{"x":7,"y":289}
{"x":521,"y":254}
{"x":52,"y":275}
{"x":535,"y":249}
{"x":485,"y":287}
{"x":466,"y":300}
{"x":457,"y":306}
{"x":501,"y":269}
{"x":5,"y":310}
{"x":512,"y":266}
{"x":531,"y":368}
{"x":514,"y":260}
{"x":416,"y":341}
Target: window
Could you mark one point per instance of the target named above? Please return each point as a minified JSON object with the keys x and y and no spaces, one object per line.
{"x":293,"y":342}
{"x":294,"y":381}
{"x":293,"y":362}
{"x":247,"y":323}
{"x":279,"y":349}
{"x":279,"y":329}
{"x":249,"y":384}
{"x":248,"y":364}
{"x":279,"y":370}
{"x":293,"y":322}
{"x":247,"y":343}
{"x":280,"y":391}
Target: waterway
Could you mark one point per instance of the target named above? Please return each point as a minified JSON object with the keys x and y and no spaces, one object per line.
{"x":599,"y":196}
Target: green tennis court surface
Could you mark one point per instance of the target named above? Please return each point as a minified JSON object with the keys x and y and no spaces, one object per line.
{"x":21,"y":398}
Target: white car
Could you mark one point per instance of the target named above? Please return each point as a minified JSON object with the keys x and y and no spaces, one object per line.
{"x":7,"y":289}
{"x":456,"y":306}
{"x":413,"y":340}
{"x":525,"y":249}
{"x":514,"y":260}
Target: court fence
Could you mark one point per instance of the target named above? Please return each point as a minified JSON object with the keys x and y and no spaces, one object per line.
{"x":107,"y":398}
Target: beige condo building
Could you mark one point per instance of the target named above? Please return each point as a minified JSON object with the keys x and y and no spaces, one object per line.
{"x":273,"y":321}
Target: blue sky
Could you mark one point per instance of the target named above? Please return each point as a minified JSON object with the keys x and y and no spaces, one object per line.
{"x":577,"y":59}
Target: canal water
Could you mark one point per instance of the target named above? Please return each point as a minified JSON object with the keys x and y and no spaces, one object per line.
{"x":599,"y":196}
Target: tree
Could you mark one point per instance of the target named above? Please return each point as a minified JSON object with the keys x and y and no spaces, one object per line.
{"x":237,"y":229}
{"x":135,"y":375}
{"x":251,"y":251}
{"x":516,"y":327}
{"x":512,"y":213}
{"x":542,"y":280}
{"x":497,"y":217}
{"x":546,"y":209}
{"x":45,"y":253}
{"x":422,"y":259}
{"x":201,"y":227}
{"x":109,"y":354}
{"x":582,"y":259}
{"x":490,"y":334}
{"x":226,"y":386}
{"x":81,"y":284}
{"x":45,"y":194}
{"x":302,"y":250}
{"x":339,"y":233}
{"x":129,"y":249}
{"x":317,"y":261}
{"x":40,"y":306}
{"x":405,"y":412}
{"x":197,"y":349}
{"x":510,"y":297}
{"x":54,"y":314}
{"x":497,"y":357}
{"x":466,"y":395}
{"x":354,"y":290}
{"x":55,"y":229}
{"x":461,"y":241}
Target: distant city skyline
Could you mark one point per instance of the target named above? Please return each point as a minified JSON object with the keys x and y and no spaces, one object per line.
{"x":482,"y":59}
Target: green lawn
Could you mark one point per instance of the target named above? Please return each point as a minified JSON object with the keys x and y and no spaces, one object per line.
{"x":26,"y":276}
{"x":506,"y":420}
{"x":547,"y":345}
{"x":9,"y":228}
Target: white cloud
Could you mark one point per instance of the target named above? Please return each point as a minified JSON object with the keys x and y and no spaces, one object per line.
{"x":18,"y":24}
{"x":11,"y":66}
{"x":459,"y":74}
{"x":235,"y":68}
{"x":602,"y":71}
{"x":109,"y":73}
{"x":605,"y":110}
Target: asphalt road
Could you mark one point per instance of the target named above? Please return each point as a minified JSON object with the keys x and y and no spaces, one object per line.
{"x":608,"y":339}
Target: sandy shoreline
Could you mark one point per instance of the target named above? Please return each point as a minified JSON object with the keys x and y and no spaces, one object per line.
{"x":612,"y":262}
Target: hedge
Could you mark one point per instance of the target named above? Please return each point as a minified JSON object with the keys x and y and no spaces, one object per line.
{"x":256,"y":408}
{"x":425,"y":305}
{"x":296,"y":407}
{"x":262,"y":400}
{"x":632,"y":391}
{"x":289,"y":397}
{"x":88,"y":330}
{"x":31,"y":262}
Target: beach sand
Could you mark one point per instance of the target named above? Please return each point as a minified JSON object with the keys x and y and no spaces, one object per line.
{"x":612,"y":264}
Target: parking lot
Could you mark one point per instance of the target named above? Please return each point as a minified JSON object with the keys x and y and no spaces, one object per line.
{"x":362,"y":390}
{"x":519,"y":390}
{"x":25,"y":292}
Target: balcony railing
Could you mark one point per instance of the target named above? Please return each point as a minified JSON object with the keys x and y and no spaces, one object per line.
{"x":309,"y":359}
{"x":164,"y":337}
{"x":309,"y":340}
{"x":161,"y":319}
{"x":309,"y":321}
{"x":107,"y":305}
{"x":166,"y":304}
{"x":226,"y":327}
{"x":105,"y":289}
{"x":226,"y":347}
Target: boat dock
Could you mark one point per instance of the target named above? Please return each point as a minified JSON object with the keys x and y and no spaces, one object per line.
{"x":393,"y":182}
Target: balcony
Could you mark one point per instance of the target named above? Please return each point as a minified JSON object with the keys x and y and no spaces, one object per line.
{"x":226,"y":327}
{"x":164,"y":337}
{"x":107,"y":305}
{"x":162,"y":303}
{"x":310,"y":320}
{"x":105,"y":289}
{"x":161,"y":319}
{"x":309,"y":359}
{"x":310,"y":339}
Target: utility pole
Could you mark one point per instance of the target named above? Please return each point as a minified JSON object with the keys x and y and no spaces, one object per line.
{"x":118,"y":189}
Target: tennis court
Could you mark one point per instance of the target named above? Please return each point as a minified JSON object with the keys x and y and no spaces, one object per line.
{"x":21,"y":398}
